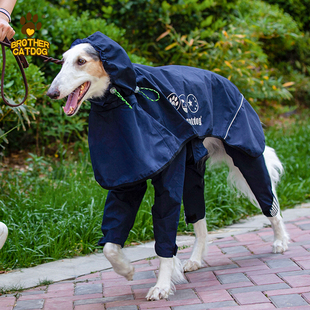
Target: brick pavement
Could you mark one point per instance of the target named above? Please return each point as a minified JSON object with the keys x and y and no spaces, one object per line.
{"x":240,"y":273}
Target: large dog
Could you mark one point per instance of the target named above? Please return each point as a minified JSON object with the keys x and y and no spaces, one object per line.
{"x":154,"y":123}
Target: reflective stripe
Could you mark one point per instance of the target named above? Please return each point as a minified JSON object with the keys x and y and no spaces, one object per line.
{"x":234,"y":117}
{"x":275,"y":207}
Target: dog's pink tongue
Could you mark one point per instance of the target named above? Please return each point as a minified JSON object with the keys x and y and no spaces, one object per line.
{"x":71,"y":103}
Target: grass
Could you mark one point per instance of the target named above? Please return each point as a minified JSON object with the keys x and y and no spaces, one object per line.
{"x":54,"y":209}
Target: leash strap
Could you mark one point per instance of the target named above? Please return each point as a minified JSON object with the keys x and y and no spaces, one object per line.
{"x":23,"y":64}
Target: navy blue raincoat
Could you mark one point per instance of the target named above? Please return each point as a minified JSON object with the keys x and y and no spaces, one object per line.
{"x":131,"y":145}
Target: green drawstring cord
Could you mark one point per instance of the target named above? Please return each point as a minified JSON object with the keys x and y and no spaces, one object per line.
{"x":113,"y":91}
{"x":153,"y":90}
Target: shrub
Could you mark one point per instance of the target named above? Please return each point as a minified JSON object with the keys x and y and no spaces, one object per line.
{"x":51,"y":127}
{"x":298,"y":9}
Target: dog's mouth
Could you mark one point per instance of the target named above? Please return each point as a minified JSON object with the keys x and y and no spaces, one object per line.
{"x":75,"y":99}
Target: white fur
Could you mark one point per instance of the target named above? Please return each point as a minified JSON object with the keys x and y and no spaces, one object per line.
{"x":120,"y":263}
{"x":3,"y":234}
{"x":170,"y":271}
{"x":200,"y":246}
{"x":72,"y":76}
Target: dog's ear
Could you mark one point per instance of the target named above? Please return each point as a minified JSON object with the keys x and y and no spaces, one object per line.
{"x":92,"y":53}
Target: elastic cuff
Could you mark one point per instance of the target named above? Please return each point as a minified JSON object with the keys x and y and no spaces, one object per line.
{"x":5,"y":12}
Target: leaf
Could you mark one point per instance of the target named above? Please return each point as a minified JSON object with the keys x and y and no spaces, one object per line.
{"x":288,"y":84}
{"x":225,"y":33}
{"x":227,"y":63}
{"x":169,"y":47}
{"x":163,"y":35}
{"x":207,"y":21}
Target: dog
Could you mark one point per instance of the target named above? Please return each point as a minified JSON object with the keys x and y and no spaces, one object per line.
{"x":86,"y":75}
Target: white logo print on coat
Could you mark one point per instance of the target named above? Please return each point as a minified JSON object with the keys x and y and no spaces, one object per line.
{"x":187,"y":103}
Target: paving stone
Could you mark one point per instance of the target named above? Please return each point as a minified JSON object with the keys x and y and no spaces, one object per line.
{"x":232,"y":278}
{"x":267,"y":306}
{"x":261,"y":288}
{"x":293,"y":273}
{"x":280,"y":263}
{"x":58,"y":304}
{"x":304,"y":264}
{"x":288,"y":291}
{"x":144,"y":275}
{"x":145,"y":285}
{"x":305,"y":237}
{"x":305,"y":226}
{"x":90,"y":307}
{"x":215,"y":296}
{"x":206,"y":306}
{"x":250,"y":262}
{"x":7,"y":302}
{"x":297,"y":281}
{"x":201,"y":277}
{"x":223,"y":267}
{"x":132,"y":307}
{"x":236,"y":249}
{"x":306,"y":296}
{"x":29,"y":304}
{"x":288,"y":300}
{"x":90,"y":301}
{"x":89,"y":288}
{"x":265,"y":279}
{"x":246,"y":270}
{"x":183,"y":294}
{"x":251,"y":298}
{"x":116,"y":291}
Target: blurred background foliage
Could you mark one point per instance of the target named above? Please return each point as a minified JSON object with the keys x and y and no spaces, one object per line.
{"x":261,"y":46}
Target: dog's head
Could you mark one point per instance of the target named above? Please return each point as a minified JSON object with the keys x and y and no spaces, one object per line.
{"x":81,"y":77}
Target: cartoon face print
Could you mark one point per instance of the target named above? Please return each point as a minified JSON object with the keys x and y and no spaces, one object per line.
{"x":192,"y":103}
{"x":174,"y":100}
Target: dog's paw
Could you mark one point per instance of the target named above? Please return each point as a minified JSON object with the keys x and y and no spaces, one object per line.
{"x":130,"y":273}
{"x":157,"y":293}
{"x":280,"y":246}
{"x":191,"y":265}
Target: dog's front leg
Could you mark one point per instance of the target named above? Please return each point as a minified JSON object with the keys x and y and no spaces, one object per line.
{"x":164,"y":286}
{"x":120,"y":263}
{"x":170,"y":273}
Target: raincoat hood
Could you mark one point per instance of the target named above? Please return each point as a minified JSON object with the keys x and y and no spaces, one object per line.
{"x":114,"y":59}
{"x":170,"y":106}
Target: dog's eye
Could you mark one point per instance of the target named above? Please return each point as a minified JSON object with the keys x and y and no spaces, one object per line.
{"x":81,"y":61}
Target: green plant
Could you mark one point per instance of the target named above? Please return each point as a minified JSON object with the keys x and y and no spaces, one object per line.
{"x":298,"y":9}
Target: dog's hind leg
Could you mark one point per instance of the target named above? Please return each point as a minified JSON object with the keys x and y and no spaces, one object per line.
{"x":275,"y":169}
{"x":256,"y":179}
{"x":120,"y":263}
{"x":200,"y":246}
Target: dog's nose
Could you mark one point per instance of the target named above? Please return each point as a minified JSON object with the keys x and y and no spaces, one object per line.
{"x":53,"y":93}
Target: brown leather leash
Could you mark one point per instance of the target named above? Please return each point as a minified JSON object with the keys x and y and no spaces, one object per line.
{"x":23,"y":64}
